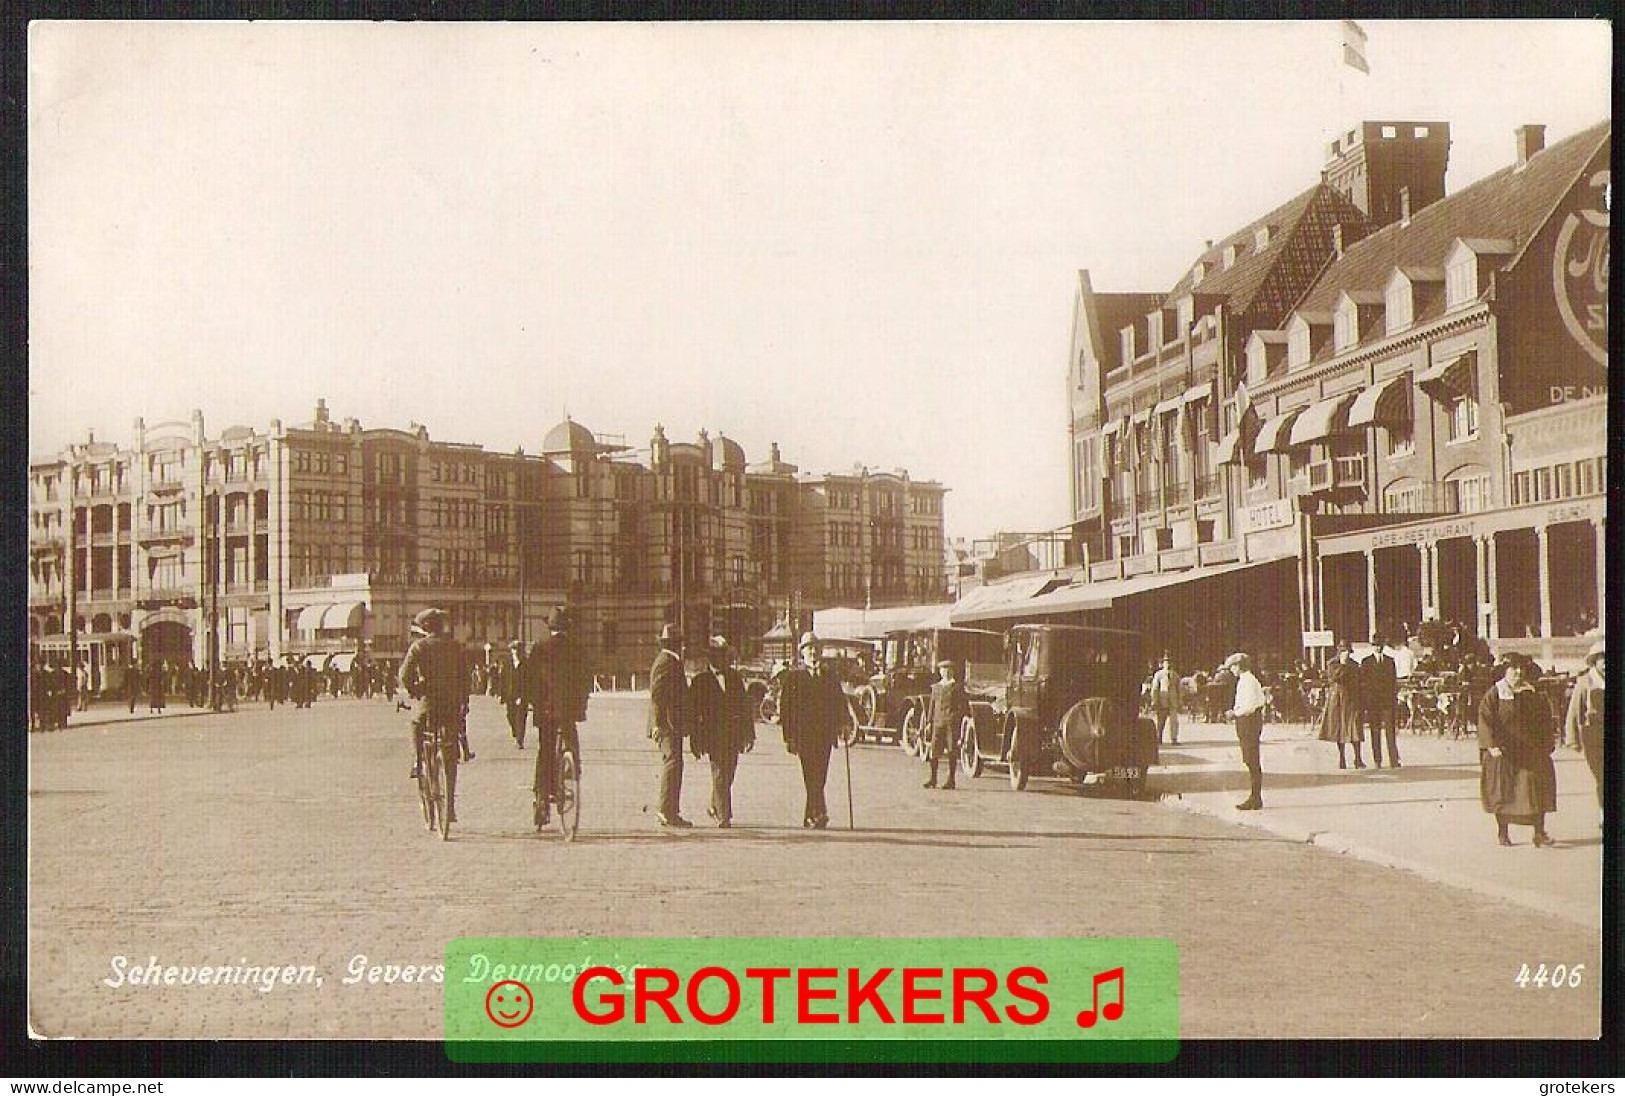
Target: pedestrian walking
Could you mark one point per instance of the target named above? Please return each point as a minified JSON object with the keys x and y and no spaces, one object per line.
{"x":1379,"y":696}
{"x":1583,"y":726}
{"x":1516,"y":737}
{"x":1247,"y":709}
{"x":945,"y":710}
{"x":1165,"y":698}
{"x":724,"y":726}
{"x":155,"y":686}
{"x":509,"y":681}
{"x":1340,"y":713}
{"x":814,"y":715}
{"x":83,"y":683}
{"x":132,"y":685}
{"x":668,"y":724}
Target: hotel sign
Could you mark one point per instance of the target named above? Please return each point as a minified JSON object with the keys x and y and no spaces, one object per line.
{"x":1269,"y":515}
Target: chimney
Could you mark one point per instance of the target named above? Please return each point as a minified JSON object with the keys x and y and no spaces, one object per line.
{"x":1404,"y":205}
{"x":1530,"y":140}
{"x":1337,"y":241}
{"x":773,"y":452}
{"x":321,"y":410}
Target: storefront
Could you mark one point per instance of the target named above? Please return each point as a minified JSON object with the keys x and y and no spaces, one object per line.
{"x":1525,"y":578}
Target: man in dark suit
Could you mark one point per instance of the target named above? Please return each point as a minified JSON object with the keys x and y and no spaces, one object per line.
{"x":723,"y":724}
{"x":557,"y":685}
{"x":814,"y":715}
{"x":509,"y":682}
{"x":1379,"y":693}
{"x":668,"y":723}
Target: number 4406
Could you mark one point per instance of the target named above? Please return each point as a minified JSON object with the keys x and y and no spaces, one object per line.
{"x":1557,"y":977}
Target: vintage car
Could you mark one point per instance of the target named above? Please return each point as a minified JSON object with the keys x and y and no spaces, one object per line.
{"x":891,"y":706}
{"x":852,"y":658}
{"x":1070,"y":708}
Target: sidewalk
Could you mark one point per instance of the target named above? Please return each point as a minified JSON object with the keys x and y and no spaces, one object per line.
{"x":1424,"y":817}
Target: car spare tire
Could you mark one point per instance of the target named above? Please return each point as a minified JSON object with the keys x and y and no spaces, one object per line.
{"x":1084,"y":730}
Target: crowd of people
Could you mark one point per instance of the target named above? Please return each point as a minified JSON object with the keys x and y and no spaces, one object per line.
{"x":1509,"y":704}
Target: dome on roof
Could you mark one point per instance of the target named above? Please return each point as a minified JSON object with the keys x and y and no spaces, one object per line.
{"x":729,"y":454}
{"x":568,"y":436}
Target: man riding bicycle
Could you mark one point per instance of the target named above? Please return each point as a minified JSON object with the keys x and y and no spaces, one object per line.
{"x":434,"y":673}
{"x":557,"y":685}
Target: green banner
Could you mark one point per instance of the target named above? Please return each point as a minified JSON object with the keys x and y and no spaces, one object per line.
{"x":812,"y":1000}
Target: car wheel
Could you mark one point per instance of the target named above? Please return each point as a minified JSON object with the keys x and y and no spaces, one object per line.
{"x":865,"y":704}
{"x":910,"y":738}
{"x":1018,"y":775}
{"x":970,"y":756}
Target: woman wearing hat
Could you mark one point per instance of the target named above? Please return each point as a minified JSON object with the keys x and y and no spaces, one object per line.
{"x":1515,"y":742}
{"x":1340,"y":718}
{"x":1582,"y":728}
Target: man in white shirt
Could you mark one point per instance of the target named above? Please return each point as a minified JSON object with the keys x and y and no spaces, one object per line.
{"x":1248,"y":712}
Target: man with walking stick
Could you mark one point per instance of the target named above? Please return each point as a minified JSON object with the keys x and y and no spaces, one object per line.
{"x":814,"y":716}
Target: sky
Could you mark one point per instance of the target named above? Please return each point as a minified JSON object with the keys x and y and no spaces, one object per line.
{"x":858,"y":240}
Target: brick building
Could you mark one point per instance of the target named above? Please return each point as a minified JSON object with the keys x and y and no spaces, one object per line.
{"x":324,"y":538}
{"x":1376,"y":405}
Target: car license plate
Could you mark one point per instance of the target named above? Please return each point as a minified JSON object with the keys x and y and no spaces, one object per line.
{"x":1127,"y":772}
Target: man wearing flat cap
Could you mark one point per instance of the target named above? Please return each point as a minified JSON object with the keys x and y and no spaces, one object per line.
{"x":669,"y":723}
{"x":814,"y":714}
{"x":945,"y":710}
{"x":1583,"y":726}
{"x":723,"y":725}
{"x":1248,"y":711}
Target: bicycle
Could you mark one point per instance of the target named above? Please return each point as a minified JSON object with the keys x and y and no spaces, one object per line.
{"x":437,"y":775}
{"x":564,"y":800}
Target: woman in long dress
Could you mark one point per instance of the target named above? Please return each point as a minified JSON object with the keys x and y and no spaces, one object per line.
{"x":1340,"y":718}
{"x":1516,"y":737}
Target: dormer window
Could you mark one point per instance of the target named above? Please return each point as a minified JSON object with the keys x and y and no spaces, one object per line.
{"x":1127,"y":340}
{"x":1229,"y":256}
{"x":1261,"y":238}
{"x":1399,"y":303}
{"x":1345,"y":327}
{"x":1461,"y":279}
{"x":1198,"y":272}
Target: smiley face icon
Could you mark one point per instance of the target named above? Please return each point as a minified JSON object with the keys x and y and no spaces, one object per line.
{"x":509,"y":1004}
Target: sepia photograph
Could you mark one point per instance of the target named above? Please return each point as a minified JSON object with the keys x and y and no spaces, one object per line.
{"x":932,"y":482}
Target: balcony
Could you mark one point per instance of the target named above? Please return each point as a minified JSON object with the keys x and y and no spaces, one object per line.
{"x":1208,"y":487}
{"x":166,"y":487}
{"x":150,"y":535}
{"x":1219,"y":551}
{"x":1176,"y":559}
{"x":1105,"y":570}
{"x":1147,"y":500}
{"x":1177,"y":494}
{"x":1139,"y":565}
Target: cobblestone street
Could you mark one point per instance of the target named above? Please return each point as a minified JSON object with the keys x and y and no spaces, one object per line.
{"x":295,"y":838}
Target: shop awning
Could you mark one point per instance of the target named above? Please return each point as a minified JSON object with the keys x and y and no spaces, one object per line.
{"x":342,"y":662}
{"x":1141,"y":418}
{"x":1386,"y":403}
{"x":1322,"y":420}
{"x":1001,"y":599}
{"x":310,"y":618}
{"x":1231,"y":451}
{"x":1275,"y":436}
{"x":338,"y":618}
{"x":1168,"y":405}
{"x":1110,"y":427}
{"x":1444,"y":381}
{"x":845,"y":623}
{"x":1084,"y":596}
{"x":1198,"y":392}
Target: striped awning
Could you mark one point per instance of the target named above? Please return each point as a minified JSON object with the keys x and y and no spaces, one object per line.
{"x":1231,"y":451}
{"x":1322,"y":420}
{"x":1386,"y":403}
{"x":1275,"y":436}
{"x":338,"y":618}
{"x":1444,"y":381}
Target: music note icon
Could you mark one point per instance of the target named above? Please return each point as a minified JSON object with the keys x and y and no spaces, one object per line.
{"x":1113,"y":1009}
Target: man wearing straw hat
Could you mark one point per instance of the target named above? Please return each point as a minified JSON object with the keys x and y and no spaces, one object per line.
{"x":1582,"y":727}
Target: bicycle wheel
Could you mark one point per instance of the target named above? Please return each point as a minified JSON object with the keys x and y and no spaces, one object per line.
{"x":429,"y":786}
{"x":568,"y":787}
{"x":448,"y":774}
